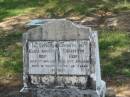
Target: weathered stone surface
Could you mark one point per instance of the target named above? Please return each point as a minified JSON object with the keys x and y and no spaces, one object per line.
{"x":61,"y":57}
{"x":71,"y":68}
{"x":70,"y":92}
{"x":73,"y":57}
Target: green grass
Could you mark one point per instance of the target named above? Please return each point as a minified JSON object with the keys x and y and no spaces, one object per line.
{"x":58,"y":8}
{"x":10,"y":8}
{"x":10,"y":54}
{"x":115,"y":53}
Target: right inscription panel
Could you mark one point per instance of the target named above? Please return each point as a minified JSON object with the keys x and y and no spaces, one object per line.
{"x":73,"y":58}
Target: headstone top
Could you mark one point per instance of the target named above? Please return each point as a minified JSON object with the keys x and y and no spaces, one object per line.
{"x":59,"y":30}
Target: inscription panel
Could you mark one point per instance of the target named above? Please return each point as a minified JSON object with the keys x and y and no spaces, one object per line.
{"x":74,"y":57}
{"x":61,"y":58}
{"x":42,"y":57}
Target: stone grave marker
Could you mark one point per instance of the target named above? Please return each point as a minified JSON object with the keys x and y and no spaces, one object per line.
{"x":61,"y":59}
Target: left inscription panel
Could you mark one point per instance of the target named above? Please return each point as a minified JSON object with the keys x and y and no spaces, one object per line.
{"x":42,"y":57}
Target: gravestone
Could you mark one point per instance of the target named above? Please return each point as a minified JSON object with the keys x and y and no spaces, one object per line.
{"x":61,"y":59}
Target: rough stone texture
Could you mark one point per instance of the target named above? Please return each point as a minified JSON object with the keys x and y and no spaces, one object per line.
{"x":70,"y":92}
{"x":59,"y":30}
{"x":69,"y":85}
{"x":56,"y":31}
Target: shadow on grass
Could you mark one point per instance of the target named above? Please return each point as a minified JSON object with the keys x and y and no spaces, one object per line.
{"x":15,"y":7}
{"x":10,"y":54}
{"x":115,"y":55}
{"x":119,"y":65}
{"x":54,"y":8}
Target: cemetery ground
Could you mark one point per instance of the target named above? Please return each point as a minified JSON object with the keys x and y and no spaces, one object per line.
{"x":114,"y":43}
{"x":114,"y":54}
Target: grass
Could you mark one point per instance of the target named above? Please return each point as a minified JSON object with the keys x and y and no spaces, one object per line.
{"x":10,"y":54}
{"x":10,"y":8}
{"x":121,"y":7}
{"x":115,"y":53}
{"x":58,"y":8}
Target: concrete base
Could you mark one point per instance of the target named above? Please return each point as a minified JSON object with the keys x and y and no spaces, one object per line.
{"x":66,"y":93}
{"x":69,"y":92}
